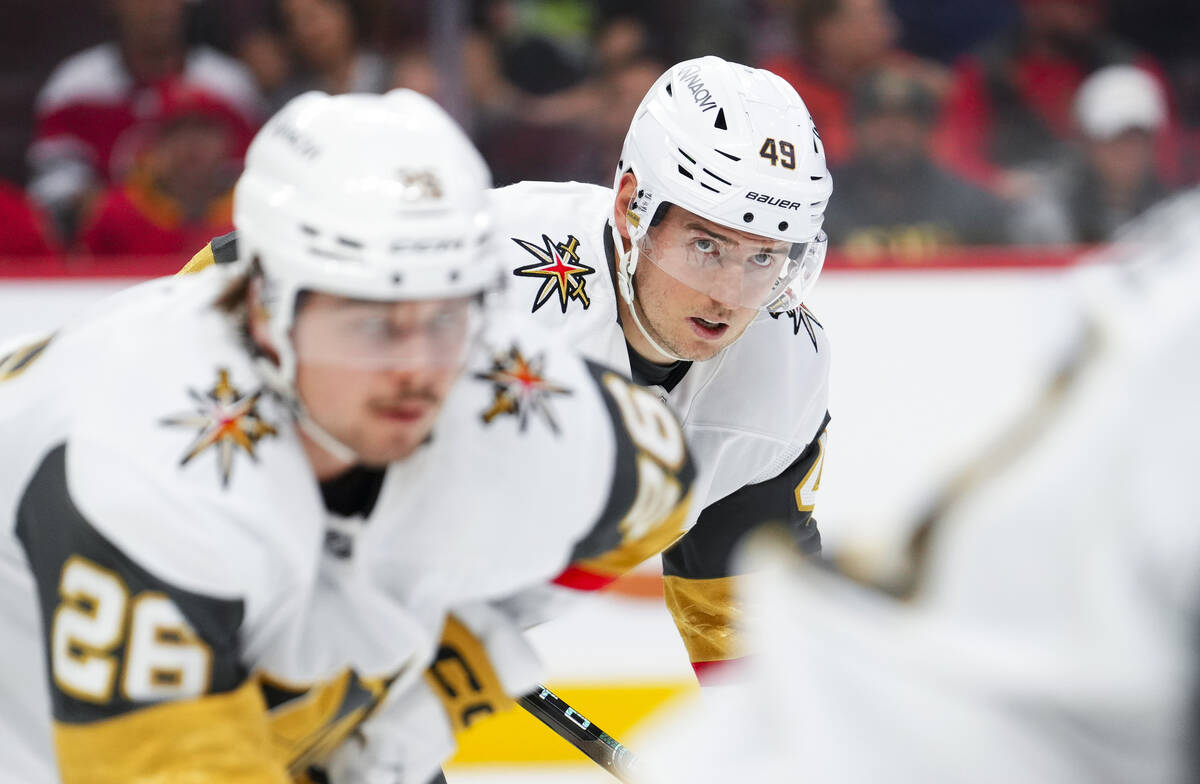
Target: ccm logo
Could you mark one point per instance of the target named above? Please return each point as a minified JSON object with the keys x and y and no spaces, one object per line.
{"x":782,"y":204}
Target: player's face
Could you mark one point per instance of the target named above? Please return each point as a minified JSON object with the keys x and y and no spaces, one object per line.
{"x":374,"y":375}
{"x":693,"y":278}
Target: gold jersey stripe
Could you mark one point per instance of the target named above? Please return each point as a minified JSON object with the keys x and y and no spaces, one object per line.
{"x":216,"y":739}
{"x":705,"y":612}
{"x":515,"y":737}
{"x":198,"y":262}
{"x":632,"y":552}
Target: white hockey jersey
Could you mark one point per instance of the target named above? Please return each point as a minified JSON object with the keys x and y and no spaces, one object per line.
{"x":754,"y":415}
{"x":1048,"y":634}
{"x":203,"y":617}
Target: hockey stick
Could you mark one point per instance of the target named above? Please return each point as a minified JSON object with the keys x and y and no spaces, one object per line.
{"x":597,"y":745}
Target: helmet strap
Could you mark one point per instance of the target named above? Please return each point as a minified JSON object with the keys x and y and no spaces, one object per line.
{"x":627,"y":261}
{"x":285,"y":389}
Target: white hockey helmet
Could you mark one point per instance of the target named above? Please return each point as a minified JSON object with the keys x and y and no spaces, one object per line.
{"x":379,"y":197}
{"x":737,"y":146}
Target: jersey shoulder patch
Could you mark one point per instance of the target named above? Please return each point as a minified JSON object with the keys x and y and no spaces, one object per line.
{"x":804,"y":321}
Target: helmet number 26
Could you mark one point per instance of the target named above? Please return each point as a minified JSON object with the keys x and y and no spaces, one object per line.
{"x":786,"y":156}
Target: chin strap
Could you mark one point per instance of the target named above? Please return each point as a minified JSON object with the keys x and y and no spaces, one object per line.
{"x":273,"y":378}
{"x":627,"y":261}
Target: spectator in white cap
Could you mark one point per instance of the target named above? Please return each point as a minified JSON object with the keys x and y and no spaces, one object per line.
{"x":1120,"y":110}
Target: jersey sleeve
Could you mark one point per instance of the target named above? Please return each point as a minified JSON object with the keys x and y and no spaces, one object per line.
{"x":698,"y":574}
{"x":650,"y":494}
{"x":145,"y":678}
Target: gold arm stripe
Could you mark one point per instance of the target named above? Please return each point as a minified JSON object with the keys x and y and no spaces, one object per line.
{"x":200,"y":261}
{"x":462,"y":677}
{"x":705,"y":612}
{"x":216,"y":739}
{"x":632,"y":552}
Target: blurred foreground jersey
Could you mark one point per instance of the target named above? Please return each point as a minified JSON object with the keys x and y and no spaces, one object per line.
{"x":1047,"y":631}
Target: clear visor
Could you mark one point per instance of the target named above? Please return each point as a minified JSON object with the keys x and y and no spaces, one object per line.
{"x":363,"y":334}
{"x":731,"y":269}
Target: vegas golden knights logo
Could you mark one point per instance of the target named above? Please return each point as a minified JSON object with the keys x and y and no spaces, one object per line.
{"x":419,"y":185}
{"x":520,"y":389}
{"x":560,"y":270}
{"x":225,"y":420}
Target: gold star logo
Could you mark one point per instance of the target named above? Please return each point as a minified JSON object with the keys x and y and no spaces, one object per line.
{"x":520,"y":389}
{"x":226,"y":419}
{"x":560,"y":269}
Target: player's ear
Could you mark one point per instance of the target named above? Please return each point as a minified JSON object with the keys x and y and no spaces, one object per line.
{"x":625,"y":192}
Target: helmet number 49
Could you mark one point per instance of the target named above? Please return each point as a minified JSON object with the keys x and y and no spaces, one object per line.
{"x":786,"y":156}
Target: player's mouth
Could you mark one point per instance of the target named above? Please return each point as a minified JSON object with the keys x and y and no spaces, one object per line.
{"x":402,"y":412}
{"x":708,"y":330}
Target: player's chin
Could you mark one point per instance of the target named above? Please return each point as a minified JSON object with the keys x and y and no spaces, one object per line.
{"x":696,"y":350}
{"x":389,"y":441}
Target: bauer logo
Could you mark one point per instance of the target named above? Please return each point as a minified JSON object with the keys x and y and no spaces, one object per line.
{"x":773,"y":201}
{"x":559,"y":269}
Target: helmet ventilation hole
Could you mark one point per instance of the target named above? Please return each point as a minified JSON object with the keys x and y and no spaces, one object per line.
{"x":783,"y":225}
{"x":720,"y":121}
{"x":727,"y":155}
{"x":686,"y":173}
{"x":397,"y":278}
{"x":748,"y":217}
{"x":453,"y":275}
{"x":669,"y":90}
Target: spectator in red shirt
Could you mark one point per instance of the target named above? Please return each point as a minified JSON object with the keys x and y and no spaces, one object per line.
{"x":839,"y":43}
{"x":26,"y":231}
{"x":94,"y":107}
{"x":179,"y":194}
{"x":1009,"y":108}
{"x":893,"y":200}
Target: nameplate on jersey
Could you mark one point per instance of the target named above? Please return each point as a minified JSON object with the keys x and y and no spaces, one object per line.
{"x":559,"y":269}
{"x":520,"y":389}
{"x":226,"y":421}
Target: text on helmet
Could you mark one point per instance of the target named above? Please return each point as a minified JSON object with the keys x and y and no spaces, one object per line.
{"x":774,"y":201}
{"x":304,"y":146}
{"x":690,"y":78}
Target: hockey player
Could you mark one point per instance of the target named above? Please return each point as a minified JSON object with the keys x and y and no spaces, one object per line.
{"x":236,"y":506}
{"x":1044,"y":628}
{"x":681,"y":274}
{"x":691,"y":274}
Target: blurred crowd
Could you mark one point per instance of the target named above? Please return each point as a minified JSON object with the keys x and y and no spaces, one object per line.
{"x":947,"y":123}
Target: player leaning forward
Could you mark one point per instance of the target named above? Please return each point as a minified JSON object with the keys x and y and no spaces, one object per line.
{"x":237,"y":505}
{"x":714,"y":227}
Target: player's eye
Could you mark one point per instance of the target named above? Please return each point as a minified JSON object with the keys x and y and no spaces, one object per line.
{"x":705,"y":246}
{"x":444,"y":323}
{"x":372,"y":327}
{"x":762,"y":259}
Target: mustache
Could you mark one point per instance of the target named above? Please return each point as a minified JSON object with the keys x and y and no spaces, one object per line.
{"x":409,"y":395}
